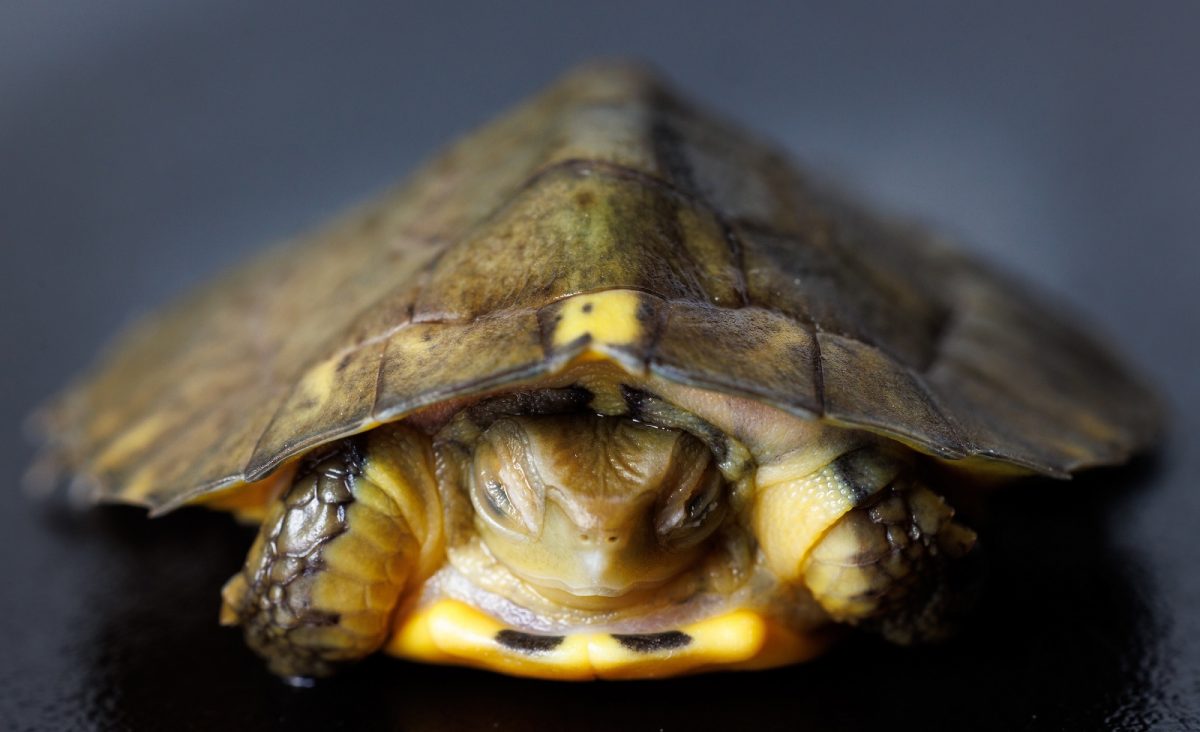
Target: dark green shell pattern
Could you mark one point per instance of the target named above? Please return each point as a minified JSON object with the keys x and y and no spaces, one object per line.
{"x":752,"y":280}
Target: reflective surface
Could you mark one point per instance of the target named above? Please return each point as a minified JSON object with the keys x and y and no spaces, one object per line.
{"x":145,"y":146}
{"x":1067,"y":635}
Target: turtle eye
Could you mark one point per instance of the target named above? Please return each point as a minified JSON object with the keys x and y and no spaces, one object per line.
{"x":693,"y":509}
{"x":502,"y":489}
{"x":497,"y":498}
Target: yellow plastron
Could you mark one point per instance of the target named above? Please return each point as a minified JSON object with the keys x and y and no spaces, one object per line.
{"x":452,"y":632}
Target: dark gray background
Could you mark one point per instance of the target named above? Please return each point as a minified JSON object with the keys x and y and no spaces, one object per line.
{"x":145,"y":145}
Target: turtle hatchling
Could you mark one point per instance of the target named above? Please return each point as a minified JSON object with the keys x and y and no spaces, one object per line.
{"x":607,"y":389}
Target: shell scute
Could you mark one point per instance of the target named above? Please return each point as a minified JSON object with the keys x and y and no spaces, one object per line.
{"x":722,"y":267}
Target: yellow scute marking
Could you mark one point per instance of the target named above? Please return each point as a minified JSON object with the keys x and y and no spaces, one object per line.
{"x":453,"y":632}
{"x":317,"y":383}
{"x":610,"y":318}
{"x":720,"y":641}
{"x":133,"y":440}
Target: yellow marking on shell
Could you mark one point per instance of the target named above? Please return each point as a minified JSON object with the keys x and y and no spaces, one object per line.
{"x":413,"y":639}
{"x":125,"y":447}
{"x":452,"y":632}
{"x":317,"y":383}
{"x":609,"y":317}
{"x":133,"y":440}
{"x":782,"y":647}
{"x":721,"y":641}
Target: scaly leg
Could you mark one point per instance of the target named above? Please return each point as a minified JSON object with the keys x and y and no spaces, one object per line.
{"x":893,"y":565}
{"x":359,"y":525}
{"x":875,"y":547}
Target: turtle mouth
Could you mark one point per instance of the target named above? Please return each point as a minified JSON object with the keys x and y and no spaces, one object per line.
{"x":595,"y":597}
{"x":607,"y":583}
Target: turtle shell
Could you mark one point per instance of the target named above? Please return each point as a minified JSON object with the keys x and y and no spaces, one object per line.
{"x":741,"y":276}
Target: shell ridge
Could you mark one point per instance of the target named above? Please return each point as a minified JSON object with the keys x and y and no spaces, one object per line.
{"x":663,"y":321}
{"x":965,"y":447}
{"x":818,"y":370}
{"x":755,"y":270}
{"x":378,"y":387}
{"x":737,"y":253}
{"x":250,"y":470}
{"x":671,"y":157}
{"x":586,"y":166}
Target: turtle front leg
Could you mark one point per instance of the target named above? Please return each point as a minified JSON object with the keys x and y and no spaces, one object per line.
{"x":360,"y":524}
{"x":893,"y":565}
{"x":874,"y":546}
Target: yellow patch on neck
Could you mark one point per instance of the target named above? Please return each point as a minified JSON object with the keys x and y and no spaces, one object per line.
{"x":452,"y":632}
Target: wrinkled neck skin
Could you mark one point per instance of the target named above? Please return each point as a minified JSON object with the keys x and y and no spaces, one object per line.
{"x":631,"y":512}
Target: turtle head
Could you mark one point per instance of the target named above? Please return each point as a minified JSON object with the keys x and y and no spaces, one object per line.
{"x":594,"y":511}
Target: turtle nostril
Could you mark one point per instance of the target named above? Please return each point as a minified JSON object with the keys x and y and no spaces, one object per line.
{"x":586,"y":538}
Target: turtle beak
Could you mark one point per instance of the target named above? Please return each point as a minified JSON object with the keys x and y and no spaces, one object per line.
{"x":583,"y":560}
{"x":602,"y":563}
{"x":605,"y":551}
{"x":602,"y":479}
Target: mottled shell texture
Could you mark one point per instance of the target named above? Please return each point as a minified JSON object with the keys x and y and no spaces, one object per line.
{"x":750,"y":278}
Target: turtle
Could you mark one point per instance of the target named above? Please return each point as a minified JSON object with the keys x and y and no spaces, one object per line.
{"x":609,"y":388}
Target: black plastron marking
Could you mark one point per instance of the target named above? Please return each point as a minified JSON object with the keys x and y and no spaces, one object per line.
{"x":653,"y":642}
{"x":528,"y":642}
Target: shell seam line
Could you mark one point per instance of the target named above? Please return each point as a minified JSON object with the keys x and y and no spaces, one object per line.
{"x":818,"y":371}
